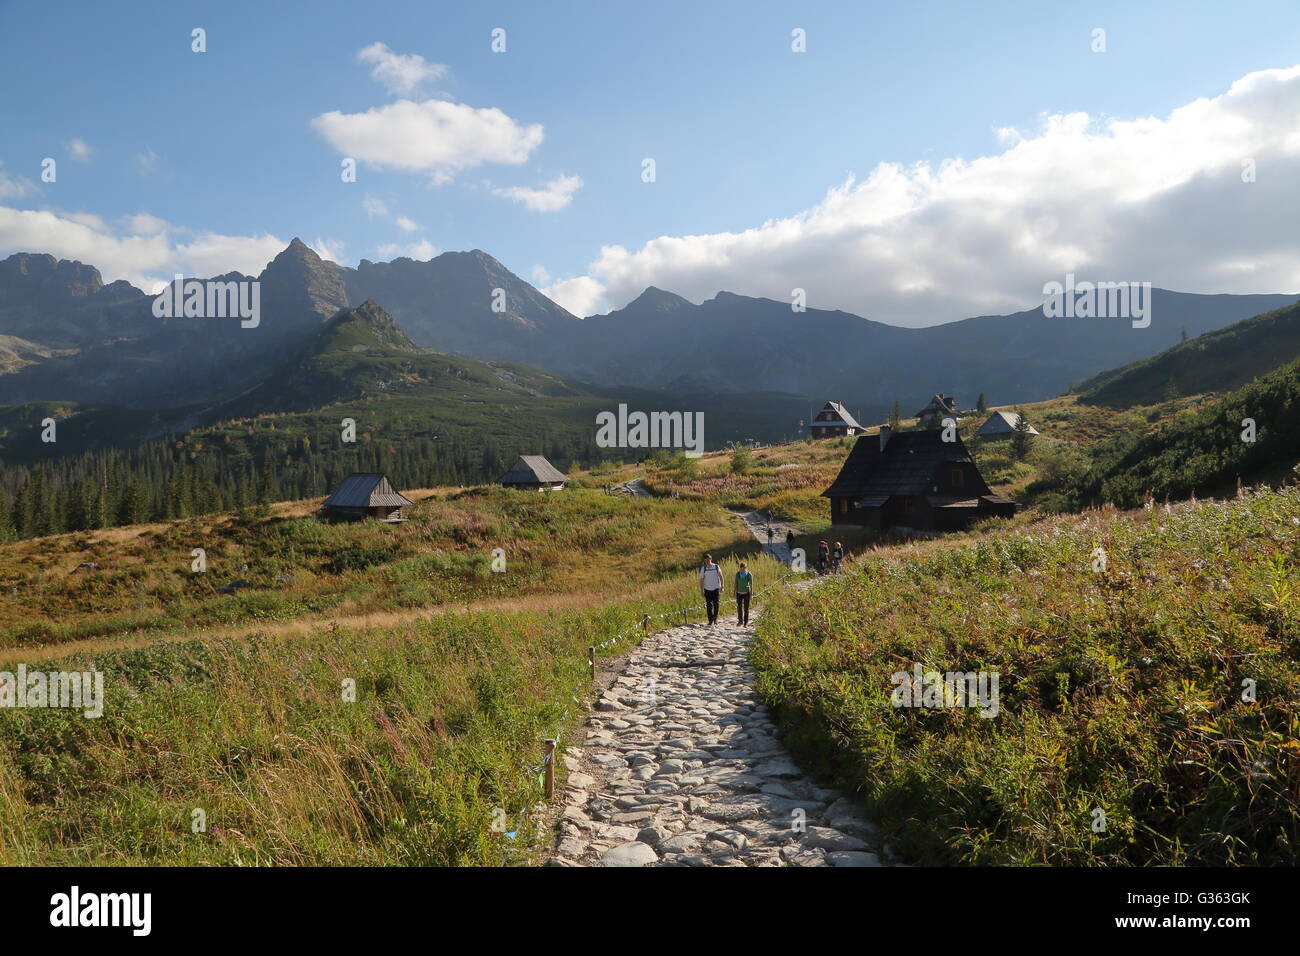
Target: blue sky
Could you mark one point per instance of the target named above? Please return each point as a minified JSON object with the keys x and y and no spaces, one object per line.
{"x":219,"y":153}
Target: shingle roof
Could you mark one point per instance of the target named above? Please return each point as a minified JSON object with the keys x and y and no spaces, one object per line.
{"x":1003,"y":423}
{"x":532,"y":469}
{"x":939,"y":404}
{"x":906,"y":467}
{"x":841,"y":411}
{"x":366,"y":490}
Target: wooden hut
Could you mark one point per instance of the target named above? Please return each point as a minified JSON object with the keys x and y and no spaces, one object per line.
{"x":834,"y":419}
{"x":1002,"y":425}
{"x":941,"y":406}
{"x":365,"y":495}
{"x":533,"y":473}
{"x":914,"y":480}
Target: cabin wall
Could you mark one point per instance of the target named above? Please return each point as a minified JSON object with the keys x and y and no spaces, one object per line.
{"x":908,"y":511}
{"x":843,"y":512}
{"x":960,"y":479}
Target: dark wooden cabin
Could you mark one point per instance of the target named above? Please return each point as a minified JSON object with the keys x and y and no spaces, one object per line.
{"x":912,"y":480}
{"x":365,"y":495}
{"x":941,"y":406}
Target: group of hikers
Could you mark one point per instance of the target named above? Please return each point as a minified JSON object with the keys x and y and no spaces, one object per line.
{"x":711,"y":578}
{"x":829,"y":558}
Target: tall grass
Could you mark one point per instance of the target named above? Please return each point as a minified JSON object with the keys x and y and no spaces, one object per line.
{"x":1121,"y":691}
{"x":443,"y":740}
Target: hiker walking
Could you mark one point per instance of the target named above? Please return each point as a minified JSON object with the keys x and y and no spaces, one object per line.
{"x":769,"y":537}
{"x":823,"y":557}
{"x":837,"y":556}
{"x":711,"y":585}
{"x":789,"y":541}
{"x":744,"y":587}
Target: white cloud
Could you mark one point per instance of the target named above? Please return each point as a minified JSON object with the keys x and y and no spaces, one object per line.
{"x":435,"y":137}
{"x":143,"y":252}
{"x":89,"y":220}
{"x":422,"y":250}
{"x":15,"y":188}
{"x":582,"y":295}
{"x":331,"y":249}
{"x":146,"y":161}
{"x":143,"y":224}
{"x":551,"y":197}
{"x":402,"y":73}
{"x":1146,"y":199}
{"x":79,"y":149}
{"x":374,"y":207}
{"x":406,"y":225}
{"x":141,"y":260}
{"x":213,"y":254}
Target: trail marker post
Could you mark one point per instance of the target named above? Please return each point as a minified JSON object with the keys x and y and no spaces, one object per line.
{"x":550,"y":768}
{"x":591,"y":661}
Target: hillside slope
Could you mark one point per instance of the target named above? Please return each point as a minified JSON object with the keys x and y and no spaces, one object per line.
{"x":1201,"y":451}
{"x":1217,"y":361}
{"x":1119,"y":691}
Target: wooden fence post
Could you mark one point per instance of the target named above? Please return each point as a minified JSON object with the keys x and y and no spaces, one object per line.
{"x":550,"y":768}
{"x":591,"y":662}
{"x":645,"y":624}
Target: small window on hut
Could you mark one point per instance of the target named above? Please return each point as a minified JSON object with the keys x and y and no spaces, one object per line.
{"x":958,"y":478}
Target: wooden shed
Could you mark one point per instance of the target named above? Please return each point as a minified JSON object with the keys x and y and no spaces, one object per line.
{"x":533,"y":473}
{"x":366,"y":495}
{"x":1002,"y":425}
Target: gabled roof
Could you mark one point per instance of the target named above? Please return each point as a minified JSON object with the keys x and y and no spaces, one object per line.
{"x":841,"y":411}
{"x":366,"y":490}
{"x":532,"y":470}
{"x":939,"y":404}
{"x":1003,"y":423}
{"x":907,"y":466}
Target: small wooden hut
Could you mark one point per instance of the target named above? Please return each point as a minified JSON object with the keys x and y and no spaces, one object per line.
{"x":365,"y":495}
{"x":533,"y":473}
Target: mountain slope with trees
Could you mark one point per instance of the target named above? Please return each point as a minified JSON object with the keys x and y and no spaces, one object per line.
{"x":1217,"y":361}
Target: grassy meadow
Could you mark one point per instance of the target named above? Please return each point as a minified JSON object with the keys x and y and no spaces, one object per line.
{"x":233,"y":704}
{"x":135,"y":584}
{"x":1120,"y":690}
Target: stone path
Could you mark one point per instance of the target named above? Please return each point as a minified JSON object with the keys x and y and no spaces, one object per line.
{"x":681,"y":767}
{"x":757,"y":523}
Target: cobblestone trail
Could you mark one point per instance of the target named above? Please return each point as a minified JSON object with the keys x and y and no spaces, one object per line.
{"x":681,"y":767}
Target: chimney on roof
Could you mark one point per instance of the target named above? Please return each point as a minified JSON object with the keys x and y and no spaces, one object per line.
{"x":885,"y":432}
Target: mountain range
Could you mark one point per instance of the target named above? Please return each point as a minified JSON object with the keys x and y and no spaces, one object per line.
{"x":66,"y":336}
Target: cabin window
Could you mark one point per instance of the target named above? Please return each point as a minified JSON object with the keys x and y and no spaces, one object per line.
{"x":958,"y":478}
{"x":844,"y":505}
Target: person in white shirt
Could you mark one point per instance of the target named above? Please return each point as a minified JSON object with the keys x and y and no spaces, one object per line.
{"x":711,"y":585}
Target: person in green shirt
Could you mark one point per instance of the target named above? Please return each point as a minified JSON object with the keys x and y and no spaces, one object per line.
{"x":744,"y":587}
